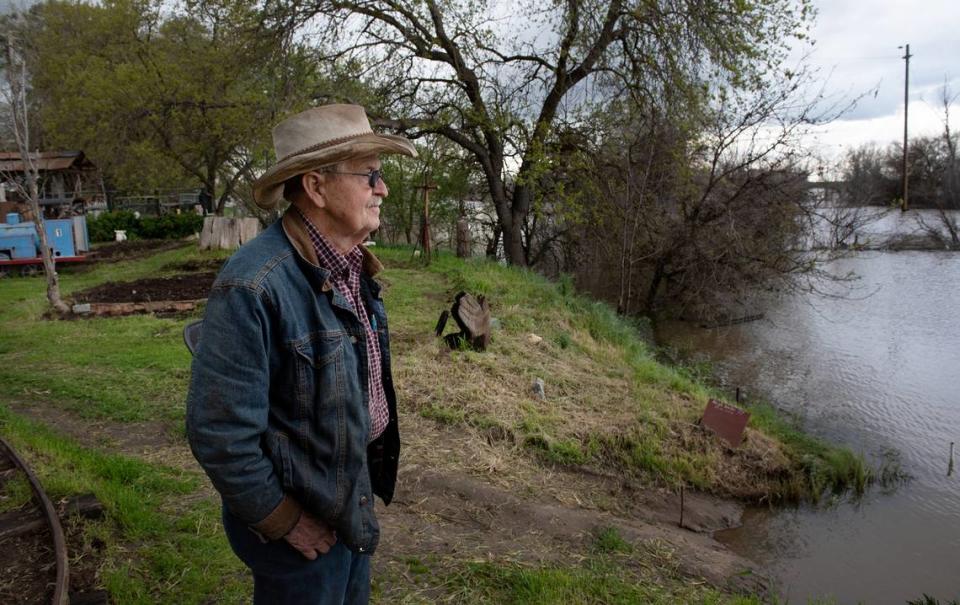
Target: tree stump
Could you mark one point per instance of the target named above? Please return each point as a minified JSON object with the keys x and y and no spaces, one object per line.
{"x":224,"y":233}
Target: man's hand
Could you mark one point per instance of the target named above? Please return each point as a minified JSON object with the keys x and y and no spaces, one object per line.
{"x":311,"y":536}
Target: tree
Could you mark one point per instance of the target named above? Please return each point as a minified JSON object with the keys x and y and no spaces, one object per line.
{"x":947,"y":179}
{"x":15,"y":92}
{"x":700,"y":203}
{"x":872,"y":177}
{"x":163,"y":97}
{"x":500,"y":85}
{"x":440,"y":164}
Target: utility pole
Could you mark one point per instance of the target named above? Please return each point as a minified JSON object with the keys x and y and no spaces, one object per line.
{"x":906,"y":102}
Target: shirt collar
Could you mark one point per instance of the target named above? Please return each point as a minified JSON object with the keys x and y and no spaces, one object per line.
{"x":340,"y":265}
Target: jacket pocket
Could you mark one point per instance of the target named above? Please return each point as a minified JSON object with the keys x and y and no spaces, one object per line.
{"x":320,"y":372}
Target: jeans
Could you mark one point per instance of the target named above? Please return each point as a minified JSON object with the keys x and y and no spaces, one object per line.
{"x":282,"y":576}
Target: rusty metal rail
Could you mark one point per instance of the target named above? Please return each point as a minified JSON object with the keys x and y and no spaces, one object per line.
{"x":60,"y":592}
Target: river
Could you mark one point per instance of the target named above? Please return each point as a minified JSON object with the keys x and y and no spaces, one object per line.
{"x":879,"y":372}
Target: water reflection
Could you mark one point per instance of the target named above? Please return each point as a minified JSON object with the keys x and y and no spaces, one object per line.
{"x":875,"y":373}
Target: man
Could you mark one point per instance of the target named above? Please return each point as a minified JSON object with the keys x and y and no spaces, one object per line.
{"x":292,"y":410}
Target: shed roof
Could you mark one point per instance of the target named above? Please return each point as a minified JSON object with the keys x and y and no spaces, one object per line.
{"x":10,"y":161}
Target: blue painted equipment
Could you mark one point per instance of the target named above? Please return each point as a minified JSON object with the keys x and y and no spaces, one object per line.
{"x":20,"y":244}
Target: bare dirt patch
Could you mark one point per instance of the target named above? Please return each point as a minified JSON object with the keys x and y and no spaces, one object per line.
{"x":190,"y":286}
{"x":114,"y":252}
{"x":27,"y":569}
{"x":462,"y":497}
{"x":154,"y":441}
{"x":194,"y":266}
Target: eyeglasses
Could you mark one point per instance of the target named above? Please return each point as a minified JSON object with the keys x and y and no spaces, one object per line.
{"x":373,"y":177}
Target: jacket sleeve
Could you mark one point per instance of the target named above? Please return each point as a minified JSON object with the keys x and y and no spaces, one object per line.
{"x":228,"y":405}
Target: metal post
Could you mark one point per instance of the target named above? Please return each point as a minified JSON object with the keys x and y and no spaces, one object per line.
{"x":950,"y":465}
{"x":906,"y":103}
{"x":681,"y":505}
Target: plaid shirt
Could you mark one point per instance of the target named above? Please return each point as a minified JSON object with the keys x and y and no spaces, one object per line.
{"x":345,"y":277}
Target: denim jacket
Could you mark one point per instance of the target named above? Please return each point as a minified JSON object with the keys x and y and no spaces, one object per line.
{"x":277,"y":411}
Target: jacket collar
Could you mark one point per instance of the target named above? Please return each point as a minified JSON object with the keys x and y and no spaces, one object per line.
{"x":296,"y":231}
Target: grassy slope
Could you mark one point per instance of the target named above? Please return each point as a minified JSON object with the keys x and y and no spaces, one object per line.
{"x":609,"y":404}
{"x":609,"y":401}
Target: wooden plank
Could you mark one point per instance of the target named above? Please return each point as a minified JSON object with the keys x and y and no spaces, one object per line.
{"x":20,"y":523}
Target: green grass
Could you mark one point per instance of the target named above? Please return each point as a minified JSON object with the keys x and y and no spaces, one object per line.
{"x":124,"y":368}
{"x":610,"y":403}
{"x":158,"y":548}
{"x":579,"y":328}
{"x":609,"y":541}
{"x":599,"y":581}
{"x":16,"y":493}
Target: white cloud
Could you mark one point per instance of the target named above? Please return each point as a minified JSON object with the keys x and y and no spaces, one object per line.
{"x":856,"y":51}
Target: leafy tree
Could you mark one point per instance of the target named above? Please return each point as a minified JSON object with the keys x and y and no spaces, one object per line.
{"x":500,"y":85}
{"x":163,"y":97}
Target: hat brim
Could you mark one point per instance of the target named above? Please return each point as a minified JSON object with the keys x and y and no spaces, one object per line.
{"x":268,"y":189}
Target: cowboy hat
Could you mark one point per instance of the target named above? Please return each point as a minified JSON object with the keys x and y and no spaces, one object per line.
{"x":319,"y":137}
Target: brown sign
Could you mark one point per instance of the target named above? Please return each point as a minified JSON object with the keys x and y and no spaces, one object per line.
{"x":726,"y":421}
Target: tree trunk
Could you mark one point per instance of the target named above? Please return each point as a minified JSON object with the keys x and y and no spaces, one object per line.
{"x":655,"y":282}
{"x":16,"y":73}
{"x":49,"y":265}
{"x":494,"y":243}
{"x":513,"y":233}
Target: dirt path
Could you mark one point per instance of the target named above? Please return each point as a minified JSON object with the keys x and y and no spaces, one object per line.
{"x":461,"y":517}
{"x":448,"y":512}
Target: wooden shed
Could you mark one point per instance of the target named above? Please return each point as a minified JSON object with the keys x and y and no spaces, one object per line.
{"x":69,"y":182}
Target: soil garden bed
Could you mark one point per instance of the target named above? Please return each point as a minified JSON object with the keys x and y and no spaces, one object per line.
{"x":113,"y":252}
{"x":189,"y":286}
{"x":177,"y":294}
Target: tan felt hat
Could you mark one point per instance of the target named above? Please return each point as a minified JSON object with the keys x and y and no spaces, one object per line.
{"x":319,"y":137}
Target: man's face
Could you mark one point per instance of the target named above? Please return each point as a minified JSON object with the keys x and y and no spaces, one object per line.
{"x":351,"y":208}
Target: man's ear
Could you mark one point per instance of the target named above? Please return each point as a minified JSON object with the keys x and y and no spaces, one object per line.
{"x":314,"y":189}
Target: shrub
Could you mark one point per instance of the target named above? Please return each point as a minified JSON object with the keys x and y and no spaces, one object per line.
{"x":170,"y":226}
{"x":101,"y":228}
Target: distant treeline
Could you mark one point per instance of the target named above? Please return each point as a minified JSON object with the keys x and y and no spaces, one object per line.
{"x":873,"y":175}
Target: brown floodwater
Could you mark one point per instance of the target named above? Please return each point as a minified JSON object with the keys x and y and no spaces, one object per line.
{"x":878,"y":372}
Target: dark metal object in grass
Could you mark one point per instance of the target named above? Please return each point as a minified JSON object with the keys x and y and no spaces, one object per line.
{"x":472,"y":315}
{"x":191,"y":335}
{"x":726,"y":421}
{"x":60,"y":592}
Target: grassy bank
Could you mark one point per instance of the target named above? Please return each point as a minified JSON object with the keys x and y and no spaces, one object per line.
{"x":609,"y":402}
{"x":97,"y":405}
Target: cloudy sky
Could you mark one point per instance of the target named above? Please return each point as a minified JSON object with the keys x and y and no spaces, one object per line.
{"x":856,"y":51}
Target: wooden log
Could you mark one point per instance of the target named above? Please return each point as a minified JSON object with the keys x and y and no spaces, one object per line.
{"x":19,"y":523}
{"x":224,"y":233}
{"x":130,"y":308}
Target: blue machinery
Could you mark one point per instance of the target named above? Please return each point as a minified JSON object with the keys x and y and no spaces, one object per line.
{"x":20,"y":244}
